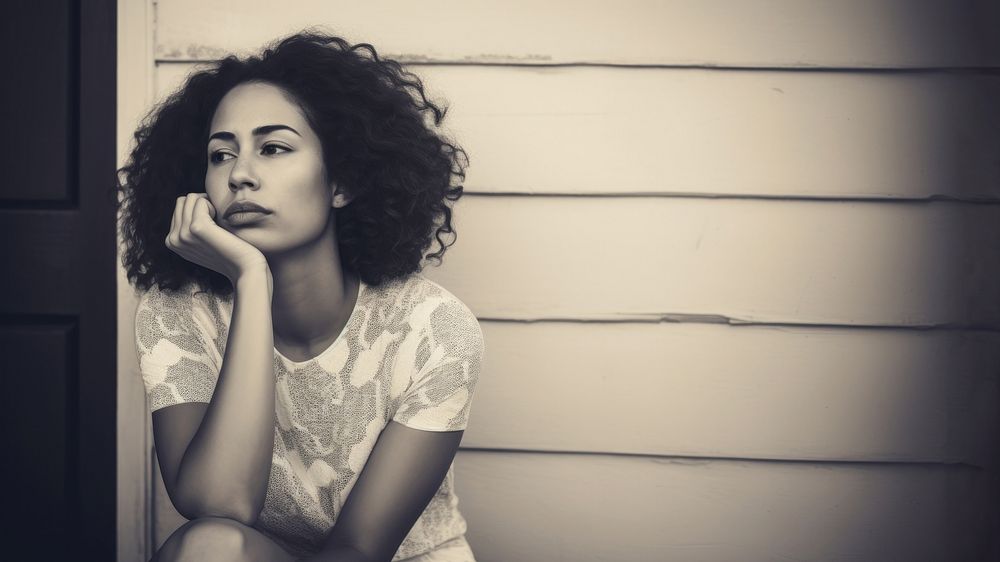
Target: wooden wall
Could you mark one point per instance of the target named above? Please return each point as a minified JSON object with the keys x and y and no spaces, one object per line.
{"x":736,"y":264}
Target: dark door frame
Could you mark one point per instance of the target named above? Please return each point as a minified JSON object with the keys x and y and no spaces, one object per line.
{"x":58,"y":280}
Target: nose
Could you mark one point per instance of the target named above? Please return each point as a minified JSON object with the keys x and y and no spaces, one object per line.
{"x":241,"y":175}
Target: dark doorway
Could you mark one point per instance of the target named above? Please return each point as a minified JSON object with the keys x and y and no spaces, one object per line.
{"x":58,"y":297}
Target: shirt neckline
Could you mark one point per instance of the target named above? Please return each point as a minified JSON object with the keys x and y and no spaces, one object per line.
{"x":354,"y":312}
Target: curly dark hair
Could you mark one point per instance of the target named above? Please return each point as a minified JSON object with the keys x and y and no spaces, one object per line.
{"x":369,"y":115}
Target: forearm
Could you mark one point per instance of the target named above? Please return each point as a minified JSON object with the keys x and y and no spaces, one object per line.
{"x":226,"y":466}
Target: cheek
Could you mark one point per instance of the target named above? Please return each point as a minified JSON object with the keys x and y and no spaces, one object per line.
{"x":310,"y":213}
{"x":215,"y":189}
{"x":213,"y":181}
{"x":309,"y":210}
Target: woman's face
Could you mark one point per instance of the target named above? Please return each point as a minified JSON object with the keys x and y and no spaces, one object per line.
{"x":262,"y":150}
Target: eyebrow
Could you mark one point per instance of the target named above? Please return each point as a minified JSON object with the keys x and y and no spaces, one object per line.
{"x":262,"y":130}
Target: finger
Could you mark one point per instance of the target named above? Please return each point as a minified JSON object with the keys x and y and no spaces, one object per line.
{"x":201,"y":211}
{"x":211,"y":208}
{"x":175,"y":221}
{"x":188,"y":215}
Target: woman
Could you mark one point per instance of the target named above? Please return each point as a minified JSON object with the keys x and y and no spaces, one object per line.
{"x":308,"y":386}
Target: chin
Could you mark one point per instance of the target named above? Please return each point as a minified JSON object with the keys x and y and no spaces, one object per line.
{"x":271,"y":245}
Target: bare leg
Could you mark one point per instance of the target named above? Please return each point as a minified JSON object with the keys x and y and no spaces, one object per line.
{"x":221,"y":540}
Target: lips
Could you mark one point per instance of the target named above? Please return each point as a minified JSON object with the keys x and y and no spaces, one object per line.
{"x":243,"y":207}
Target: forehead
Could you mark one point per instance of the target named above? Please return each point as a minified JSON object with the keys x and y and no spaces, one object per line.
{"x":248,"y":105}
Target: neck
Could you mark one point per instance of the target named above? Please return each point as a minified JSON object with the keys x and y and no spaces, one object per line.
{"x":313,"y":295}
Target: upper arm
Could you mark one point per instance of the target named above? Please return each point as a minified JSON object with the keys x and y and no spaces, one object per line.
{"x":402,"y":474}
{"x":173,"y":428}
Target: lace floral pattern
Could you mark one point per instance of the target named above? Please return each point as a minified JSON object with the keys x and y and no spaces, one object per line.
{"x":411,"y":352}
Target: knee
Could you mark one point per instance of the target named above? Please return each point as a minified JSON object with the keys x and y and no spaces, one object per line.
{"x":205,"y":538}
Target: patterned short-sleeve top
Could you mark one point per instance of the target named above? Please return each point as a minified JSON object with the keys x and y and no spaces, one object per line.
{"x":411,"y":352}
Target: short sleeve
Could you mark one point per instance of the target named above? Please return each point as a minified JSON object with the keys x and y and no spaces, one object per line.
{"x":175,"y":358}
{"x":440,"y":395}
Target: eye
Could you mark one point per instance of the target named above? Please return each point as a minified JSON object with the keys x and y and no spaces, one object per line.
{"x":272,"y":145}
{"x":216,"y":156}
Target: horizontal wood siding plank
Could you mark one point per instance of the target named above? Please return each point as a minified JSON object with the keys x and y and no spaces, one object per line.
{"x":740,"y":133}
{"x":594,"y":508}
{"x":786,"y":33}
{"x":739,"y":392}
{"x":743,"y":261}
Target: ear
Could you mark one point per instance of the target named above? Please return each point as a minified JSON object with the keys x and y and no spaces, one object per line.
{"x":340,"y":199}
